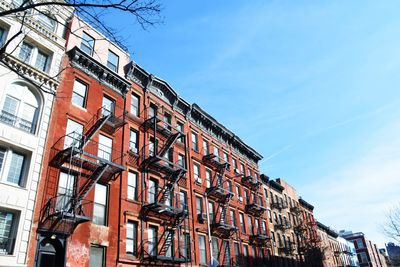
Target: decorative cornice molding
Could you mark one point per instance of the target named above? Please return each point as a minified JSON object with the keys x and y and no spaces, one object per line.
{"x":38,"y":77}
{"x":98,"y":71}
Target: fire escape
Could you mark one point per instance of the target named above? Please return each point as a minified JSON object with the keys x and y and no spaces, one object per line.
{"x":164,"y":203}
{"x":221,"y":228}
{"x":89,"y":162}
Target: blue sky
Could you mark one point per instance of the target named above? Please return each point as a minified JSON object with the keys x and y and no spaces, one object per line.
{"x":312,"y":85}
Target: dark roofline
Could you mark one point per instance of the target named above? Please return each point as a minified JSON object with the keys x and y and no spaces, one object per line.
{"x":328,"y":230}
{"x":275,"y":185}
{"x":305,"y":204}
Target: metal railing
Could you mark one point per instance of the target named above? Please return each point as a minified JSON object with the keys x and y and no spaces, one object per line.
{"x":23,"y":124}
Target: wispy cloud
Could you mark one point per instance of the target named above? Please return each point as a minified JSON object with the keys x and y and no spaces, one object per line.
{"x":357,"y":195}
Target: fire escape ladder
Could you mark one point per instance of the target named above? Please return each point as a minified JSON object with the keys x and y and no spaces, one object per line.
{"x":94,"y":128}
{"x":165,"y":193}
{"x":91,"y":182}
{"x":168,"y":143}
{"x":168,"y":240}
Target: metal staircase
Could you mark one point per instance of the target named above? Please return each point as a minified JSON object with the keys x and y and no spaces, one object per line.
{"x":81,"y":159}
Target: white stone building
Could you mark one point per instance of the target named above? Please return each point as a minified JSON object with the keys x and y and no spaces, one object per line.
{"x":28,"y":77}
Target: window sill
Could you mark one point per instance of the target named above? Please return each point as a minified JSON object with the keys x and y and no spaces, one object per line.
{"x":13,"y":185}
{"x":132,"y":201}
{"x":79,"y":107}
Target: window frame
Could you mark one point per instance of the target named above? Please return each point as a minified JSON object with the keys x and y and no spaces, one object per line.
{"x":74,"y":93}
{"x":105,"y":223}
{"x":133,"y":145}
{"x":112,"y":67}
{"x":87,"y":41}
{"x":135,"y":109}
{"x":133,"y":186}
{"x":133,"y":237}
{"x":103,"y":253}
{"x":7,"y":165}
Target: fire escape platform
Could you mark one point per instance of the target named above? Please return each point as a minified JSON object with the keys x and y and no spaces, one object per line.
{"x":255,"y":209}
{"x":250,"y":182}
{"x":163,"y":211}
{"x":160,"y":258}
{"x":215,"y":162}
{"x":165,"y":131}
{"x":222,"y":230}
{"x":161,"y":164}
{"x":260,"y":240}
{"x":87,"y":161}
{"x":219,"y":194}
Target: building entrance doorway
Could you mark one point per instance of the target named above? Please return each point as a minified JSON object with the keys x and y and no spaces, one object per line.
{"x":50,"y":251}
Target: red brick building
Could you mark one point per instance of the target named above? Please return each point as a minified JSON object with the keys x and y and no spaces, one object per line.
{"x":135,"y":175}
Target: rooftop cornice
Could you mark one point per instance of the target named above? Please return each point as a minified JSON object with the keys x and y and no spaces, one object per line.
{"x":98,"y":71}
{"x":327,"y":229}
{"x":275,"y":185}
{"x":305,"y":204}
{"x":226,"y":134}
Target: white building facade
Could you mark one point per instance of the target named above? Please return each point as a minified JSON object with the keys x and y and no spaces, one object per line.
{"x":29,"y":73}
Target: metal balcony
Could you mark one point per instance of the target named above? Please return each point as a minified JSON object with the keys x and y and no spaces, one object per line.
{"x":280,"y":205}
{"x":218,"y":193}
{"x":158,"y":124}
{"x":251,"y":182}
{"x":215,"y":162}
{"x":299,"y":229}
{"x":284,"y":226}
{"x":23,"y":124}
{"x":287,"y":249}
{"x":295,"y":210}
{"x":261,"y":240}
{"x":222,"y":229}
{"x":165,"y":206}
{"x":89,"y":158}
{"x":255,"y":209}
{"x":62,"y":214}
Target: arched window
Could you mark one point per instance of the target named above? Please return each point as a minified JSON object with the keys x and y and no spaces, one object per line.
{"x":20,"y":107}
{"x":47,"y":20}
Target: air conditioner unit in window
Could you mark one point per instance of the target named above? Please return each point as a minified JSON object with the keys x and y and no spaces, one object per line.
{"x":198,"y":180}
{"x":240,"y":199}
{"x":201,"y":217}
{"x":236,"y":171}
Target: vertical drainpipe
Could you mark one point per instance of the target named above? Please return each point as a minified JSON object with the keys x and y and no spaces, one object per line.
{"x":120,"y":180}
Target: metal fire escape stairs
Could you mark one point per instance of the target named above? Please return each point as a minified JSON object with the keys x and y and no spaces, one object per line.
{"x":63,"y":217}
{"x":164,"y":208}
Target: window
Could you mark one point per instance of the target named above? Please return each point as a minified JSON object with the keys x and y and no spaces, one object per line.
{"x":183,"y":200}
{"x":152,"y":240}
{"x":97,"y":256}
{"x":167,"y":121}
{"x":246,"y":253}
{"x":79,"y":93}
{"x":215,"y":249}
{"x":233,"y":218}
{"x":241,"y":168}
{"x":65,"y":191}
{"x":12,"y":166}
{"x":112,"y":61}
{"x":199,"y":205}
{"x":229,"y":185}
{"x":186,"y":251}
{"x":242,"y":223}
{"x":205,"y":147}
{"x":264,"y":227}
{"x":254,"y":251}
{"x":131,"y":238}
{"x":194,"y":142}
{"x":151,"y":146}
{"x":108,"y":106}
{"x":363,"y":257}
{"x":216,"y":151}
{"x":227,"y":254}
{"x":152,"y":193}
{"x":237,"y":254}
{"x":105,"y":147}
{"x":47,"y":21}
{"x":3,"y":34}
{"x":181,"y":160}
{"x":100,"y":204}
{"x":179,"y":127}
{"x":132,"y":185}
{"x":238,"y":193}
{"x":133,"y":141}
{"x":34,"y":56}
{"x":211,"y":211}
{"x":74,"y":133}
{"x":196,"y":173}
{"x":135,"y":100}
{"x":202,"y":249}
{"x":87,"y":43}
{"x":250,"y":224}
{"x":152,"y":111}
{"x":269,"y":216}
{"x":234,"y":163}
{"x":8,"y":228}
{"x":208,"y":178}
{"x":273,"y":237}
{"x":226,"y":157}
{"x":20,"y":108}
{"x":360,"y":243}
